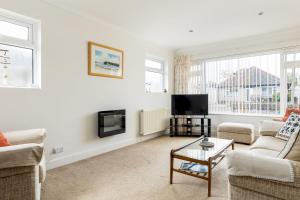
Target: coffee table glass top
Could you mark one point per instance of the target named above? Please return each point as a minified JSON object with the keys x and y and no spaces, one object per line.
{"x":195,"y":151}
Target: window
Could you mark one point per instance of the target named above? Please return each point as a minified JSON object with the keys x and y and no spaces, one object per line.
{"x":292,"y":71}
{"x":246,"y":84}
{"x":154,"y":75}
{"x":19,"y":51}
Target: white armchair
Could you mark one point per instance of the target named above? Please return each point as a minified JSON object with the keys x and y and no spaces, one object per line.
{"x":22,"y":165}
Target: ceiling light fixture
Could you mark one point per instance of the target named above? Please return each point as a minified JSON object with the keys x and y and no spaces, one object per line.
{"x":191,"y":31}
{"x":260,"y":13}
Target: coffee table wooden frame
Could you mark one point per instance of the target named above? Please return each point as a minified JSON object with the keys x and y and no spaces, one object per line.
{"x":206,"y":176}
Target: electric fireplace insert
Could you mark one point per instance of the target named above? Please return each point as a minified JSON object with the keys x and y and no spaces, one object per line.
{"x":111,"y":122}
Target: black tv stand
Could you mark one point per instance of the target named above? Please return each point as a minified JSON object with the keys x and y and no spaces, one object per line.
{"x":190,"y":126}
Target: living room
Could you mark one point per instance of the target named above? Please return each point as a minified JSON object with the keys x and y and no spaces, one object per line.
{"x":65,"y":64}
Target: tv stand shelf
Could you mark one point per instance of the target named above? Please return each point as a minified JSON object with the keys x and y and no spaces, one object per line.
{"x":190,"y":126}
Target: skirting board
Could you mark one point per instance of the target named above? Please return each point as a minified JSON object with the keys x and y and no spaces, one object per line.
{"x":150,"y":136}
{"x":68,"y":159}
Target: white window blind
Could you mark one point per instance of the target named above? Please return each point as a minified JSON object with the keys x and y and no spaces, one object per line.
{"x":248,"y":84}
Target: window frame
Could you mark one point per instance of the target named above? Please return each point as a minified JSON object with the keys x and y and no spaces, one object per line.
{"x":33,"y":43}
{"x":161,"y":71}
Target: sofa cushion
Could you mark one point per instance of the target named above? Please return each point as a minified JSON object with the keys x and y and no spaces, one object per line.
{"x":266,"y":152}
{"x":294,"y":152}
{"x":289,"y":145}
{"x":269,"y":142}
{"x":270,"y":127}
{"x":236,"y":128}
{"x":289,"y":111}
{"x":291,"y":126}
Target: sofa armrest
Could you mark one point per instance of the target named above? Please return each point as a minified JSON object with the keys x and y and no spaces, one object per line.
{"x":247,"y":163}
{"x":296,"y":166}
{"x":13,"y":171}
{"x":20,"y":155}
{"x":26,"y":136}
{"x":241,"y":185}
{"x":270,"y":127}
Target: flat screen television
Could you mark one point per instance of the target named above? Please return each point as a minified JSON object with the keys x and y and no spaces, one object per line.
{"x":190,"y":104}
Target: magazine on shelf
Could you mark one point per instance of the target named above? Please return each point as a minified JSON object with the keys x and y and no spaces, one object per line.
{"x":194,"y":167}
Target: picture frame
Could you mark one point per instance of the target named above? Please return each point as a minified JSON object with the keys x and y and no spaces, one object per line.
{"x":105,"y":61}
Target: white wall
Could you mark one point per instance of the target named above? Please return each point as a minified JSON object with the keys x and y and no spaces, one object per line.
{"x":265,"y":42}
{"x":69,"y":100}
{"x":258,"y":43}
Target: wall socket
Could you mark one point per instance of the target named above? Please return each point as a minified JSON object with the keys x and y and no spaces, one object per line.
{"x":57,"y":150}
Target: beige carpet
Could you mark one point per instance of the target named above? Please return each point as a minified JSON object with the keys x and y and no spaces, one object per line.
{"x":137,"y":172}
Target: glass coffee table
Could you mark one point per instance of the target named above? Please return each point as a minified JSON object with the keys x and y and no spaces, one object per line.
{"x":207,"y":157}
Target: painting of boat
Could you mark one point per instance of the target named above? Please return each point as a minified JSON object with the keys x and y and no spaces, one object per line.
{"x":105,"y":61}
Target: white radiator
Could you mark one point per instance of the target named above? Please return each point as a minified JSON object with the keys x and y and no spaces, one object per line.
{"x":153,"y":121}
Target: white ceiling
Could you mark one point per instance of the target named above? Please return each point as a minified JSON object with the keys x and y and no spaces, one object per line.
{"x":167,"y":22}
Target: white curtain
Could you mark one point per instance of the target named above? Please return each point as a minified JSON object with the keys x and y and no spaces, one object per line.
{"x":182,"y":64}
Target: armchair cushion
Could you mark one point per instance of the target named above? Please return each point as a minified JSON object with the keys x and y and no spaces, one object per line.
{"x":20,"y":155}
{"x":26,"y":136}
{"x":3,"y":140}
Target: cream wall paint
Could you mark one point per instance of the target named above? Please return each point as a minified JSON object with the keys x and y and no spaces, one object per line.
{"x":264,"y":42}
{"x":68,"y":102}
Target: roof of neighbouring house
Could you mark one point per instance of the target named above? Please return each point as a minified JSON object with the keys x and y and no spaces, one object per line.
{"x":250,"y":77}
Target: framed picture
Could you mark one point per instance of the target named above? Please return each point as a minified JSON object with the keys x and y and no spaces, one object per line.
{"x":105,"y":61}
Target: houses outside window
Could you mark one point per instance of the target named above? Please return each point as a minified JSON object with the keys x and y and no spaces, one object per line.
{"x":155,"y":76}
{"x":19,"y":51}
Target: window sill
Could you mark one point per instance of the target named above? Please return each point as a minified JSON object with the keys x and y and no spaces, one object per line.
{"x":248,"y":115}
{"x":165,"y":91}
{"x":19,"y":87}
{"x":156,"y":92}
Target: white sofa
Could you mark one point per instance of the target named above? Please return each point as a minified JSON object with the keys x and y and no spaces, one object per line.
{"x":262,"y":154}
